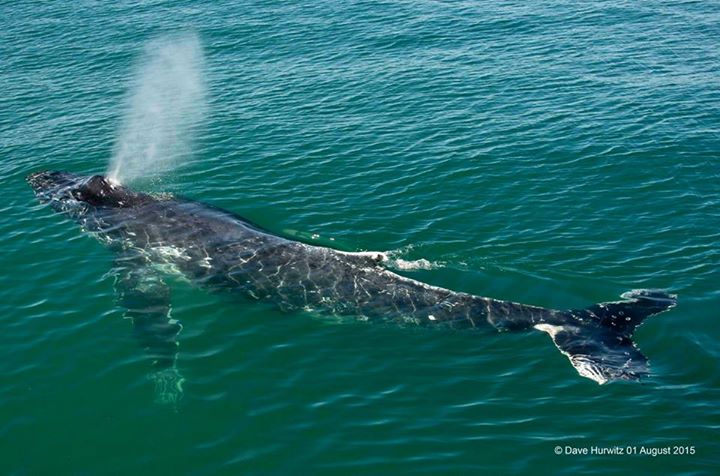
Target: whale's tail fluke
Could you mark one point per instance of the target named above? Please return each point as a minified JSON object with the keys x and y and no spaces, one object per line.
{"x":598,"y":340}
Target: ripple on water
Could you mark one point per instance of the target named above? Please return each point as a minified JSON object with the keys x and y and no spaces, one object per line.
{"x":555,"y":154}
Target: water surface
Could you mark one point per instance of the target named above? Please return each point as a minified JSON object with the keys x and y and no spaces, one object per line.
{"x":545,"y":152}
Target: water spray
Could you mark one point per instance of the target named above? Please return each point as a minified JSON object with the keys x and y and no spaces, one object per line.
{"x":165,"y":104}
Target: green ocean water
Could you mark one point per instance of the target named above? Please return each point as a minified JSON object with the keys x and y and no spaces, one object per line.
{"x":553,"y":153}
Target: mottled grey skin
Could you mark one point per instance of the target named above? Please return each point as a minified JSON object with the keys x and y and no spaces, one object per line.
{"x":217,"y":249}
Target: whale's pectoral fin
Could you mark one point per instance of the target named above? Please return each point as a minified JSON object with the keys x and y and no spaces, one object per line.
{"x":598,"y":340}
{"x":146,"y":300}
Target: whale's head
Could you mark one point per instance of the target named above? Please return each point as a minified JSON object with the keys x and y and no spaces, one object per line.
{"x":73,"y":193}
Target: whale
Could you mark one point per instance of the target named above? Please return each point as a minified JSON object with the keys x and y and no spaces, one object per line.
{"x":153,"y":234}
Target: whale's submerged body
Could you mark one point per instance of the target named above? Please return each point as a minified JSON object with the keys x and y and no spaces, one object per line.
{"x":218,"y":249}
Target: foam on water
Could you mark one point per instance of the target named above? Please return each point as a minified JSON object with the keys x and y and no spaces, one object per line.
{"x":410,"y":265}
{"x":166,"y":101}
{"x":396,"y":259}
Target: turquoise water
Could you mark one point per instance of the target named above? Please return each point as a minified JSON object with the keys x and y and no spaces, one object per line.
{"x":544,"y":152}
